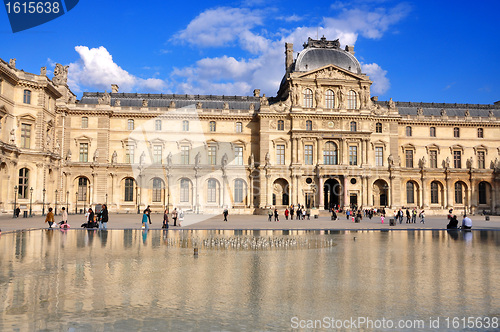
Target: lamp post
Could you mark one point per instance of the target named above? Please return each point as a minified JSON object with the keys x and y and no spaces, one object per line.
{"x":43,"y":202}
{"x":76,"y":202}
{"x":15,"y":201}
{"x":67,"y":201}
{"x":106,"y":199}
{"x":55,"y":207}
{"x":31,"y":200}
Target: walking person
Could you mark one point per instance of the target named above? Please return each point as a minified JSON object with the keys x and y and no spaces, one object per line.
{"x":414,"y":216}
{"x":50,"y":218}
{"x":181,"y":217}
{"x":104,"y":217}
{"x":91,"y":219}
{"x":347,"y":213}
{"x":174,"y":216}
{"x":18,"y":210}
{"x":408,"y":216}
{"x":225,"y":213}
{"x":291,"y":212}
{"x":382,"y":218}
{"x":308,"y":213}
{"x":148,"y":210}
{"x":270,"y":214}
{"x":165,"y":219}
{"x":422,"y":217}
{"x":145,"y":220}
{"x":276,"y":215}
{"x":64,"y":217}
{"x":299,"y":213}
{"x":286,"y":213}
{"x":303,"y":213}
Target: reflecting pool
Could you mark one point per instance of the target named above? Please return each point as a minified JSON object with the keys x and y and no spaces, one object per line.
{"x":129,"y":280}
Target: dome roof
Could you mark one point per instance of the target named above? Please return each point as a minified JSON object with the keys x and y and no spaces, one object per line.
{"x":319,"y":53}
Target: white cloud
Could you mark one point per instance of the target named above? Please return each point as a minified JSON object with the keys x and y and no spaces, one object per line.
{"x":381,"y":83}
{"x":237,"y":26}
{"x":96,"y":69}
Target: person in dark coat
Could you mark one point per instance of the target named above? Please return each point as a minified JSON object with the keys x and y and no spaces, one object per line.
{"x":103,"y":216}
{"x":453,"y":224}
{"x":225,"y":213}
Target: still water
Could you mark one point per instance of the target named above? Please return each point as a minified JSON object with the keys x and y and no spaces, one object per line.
{"x":129,"y":280}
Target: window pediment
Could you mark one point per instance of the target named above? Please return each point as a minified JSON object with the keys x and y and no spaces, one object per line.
{"x":432,"y":147}
{"x":83,"y":139}
{"x":129,"y":142}
{"x":239,"y":143}
{"x":408,"y":146}
{"x":456,"y":147}
{"x":184,"y":142}
{"x":157,"y":141}
{"x":480,"y":147}
{"x":25,"y":118}
{"x":378,"y":144}
{"x":280,"y":141}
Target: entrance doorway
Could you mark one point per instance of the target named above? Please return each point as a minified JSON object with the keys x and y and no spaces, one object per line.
{"x":353,"y":201}
{"x":332,"y":191}
{"x":309,"y":200}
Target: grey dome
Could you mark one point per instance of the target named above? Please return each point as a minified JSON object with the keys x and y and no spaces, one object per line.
{"x":313,"y":58}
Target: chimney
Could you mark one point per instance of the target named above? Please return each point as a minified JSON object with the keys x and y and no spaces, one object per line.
{"x":350,"y":49}
{"x":288,"y":57}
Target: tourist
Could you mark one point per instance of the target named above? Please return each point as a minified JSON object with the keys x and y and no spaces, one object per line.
{"x":91,"y":219}
{"x":225,"y":213}
{"x":276,"y":215}
{"x":64,"y":216}
{"x":453,"y":224}
{"x":347,"y":213}
{"x":291,"y":212}
{"x":165,"y":219}
{"x":145,"y":220}
{"x":299,"y":212}
{"x":308,"y":213}
{"x":103,"y":216}
{"x":286,"y":213}
{"x":18,"y":211}
{"x":414,"y":215}
{"x":181,"y":217}
{"x":270,"y":214}
{"x":382,"y":217}
{"x":408,"y":216}
{"x":303,"y":213}
{"x":334,"y":215}
{"x":174,"y":216}
{"x":466,"y":222}
{"x":422,"y":217}
{"x":50,"y":217}
{"x":400,"y":215}
{"x":148,"y":210}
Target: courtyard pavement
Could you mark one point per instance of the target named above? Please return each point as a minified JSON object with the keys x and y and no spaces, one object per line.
{"x":203,"y":221}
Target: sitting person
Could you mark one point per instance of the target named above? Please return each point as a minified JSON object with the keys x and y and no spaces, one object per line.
{"x":453,"y":224}
{"x":466,"y":222}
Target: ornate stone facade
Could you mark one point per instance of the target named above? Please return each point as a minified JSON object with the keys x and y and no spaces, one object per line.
{"x":322,"y":141}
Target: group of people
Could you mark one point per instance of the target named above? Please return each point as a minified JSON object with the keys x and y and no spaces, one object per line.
{"x":411,"y":216}
{"x":50,"y":219}
{"x":453,"y":221}
{"x":300,"y":212}
{"x":99,"y":220}
{"x":176,"y":215}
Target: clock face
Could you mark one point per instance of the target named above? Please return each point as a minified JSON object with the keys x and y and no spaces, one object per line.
{"x":330,"y":124}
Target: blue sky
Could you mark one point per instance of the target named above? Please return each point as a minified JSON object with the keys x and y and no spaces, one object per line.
{"x":430,"y":51}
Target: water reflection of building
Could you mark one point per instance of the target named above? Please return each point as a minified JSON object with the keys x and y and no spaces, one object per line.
{"x":322,"y":140}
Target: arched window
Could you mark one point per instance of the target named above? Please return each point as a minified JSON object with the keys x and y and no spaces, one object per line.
{"x":432,"y":131}
{"x":129,"y":190}
{"x":352,"y":103}
{"x":456,"y":132}
{"x":480,"y":133}
{"x":238,"y":190}
{"x":82,"y":189}
{"x":27,"y":97}
{"x":309,"y":125}
{"x":212,"y":191}
{"x":281,"y":125}
{"x":330,"y":153}
{"x":353,"y":126}
{"x":329,"y":99}
{"x":378,"y":127}
{"x":410,"y":193}
{"x":85,"y":122}
{"x":157,"y":190}
{"x":239,"y":127}
{"x":482,"y":192}
{"x":434,"y":192}
{"x":458,"y":193}
{"x":408,"y":131}
{"x":23,"y":183}
{"x":184,"y":197}
{"x":185,"y":125}
{"x":212,"y":126}
{"x":308,"y":98}
{"x":130,"y":124}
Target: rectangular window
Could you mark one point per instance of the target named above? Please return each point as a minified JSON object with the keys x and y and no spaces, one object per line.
{"x":85,"y":122}
{"x":239,"y":127}
{"x":129,"y":154}
{"x":480,"y":160}
{"x":158,"y":125}
{"x":184,"y":191}
{"x":280,"y":154}
{"x":25,"y":135}
{"x":212,"y":191}
{"x":157,"y":154}
{"x":433,"y":159}
{"x":457,"y":159}
{"x":185,"y":155}
{"x":409,"y":158}
{"x":238,"y":155}
{"x":27,"y":97}
{"x":379,"y":156}
{"x":129,"y":190}
{"x":212,"y":155}
{"x":353,"y":155}
{"x":84,"y":152}
{"x":308,"y":154}
{"x":130,"y":124}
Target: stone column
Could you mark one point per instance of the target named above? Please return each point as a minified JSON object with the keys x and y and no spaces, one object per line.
{"x":319,"y":143}
{"x":269,"y":193}
{"x":293,"y":144}
{"x":346,"y":198}
{"x":297,"y":200}
{"x":389,"y":192}
{"x":250,"y":186}
{"x":493,"y":197}
{"x":367,"y":144}
{"x":369,"y":188}
{"x":423,"y":201}
{"x":449,"y":201}
{"x":321,"y":192}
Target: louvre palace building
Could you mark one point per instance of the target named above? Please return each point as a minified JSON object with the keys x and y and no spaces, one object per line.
{"x":322,"y":141}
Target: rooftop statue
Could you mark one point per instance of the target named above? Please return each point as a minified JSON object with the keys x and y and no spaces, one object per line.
{"x":60,"y":74}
